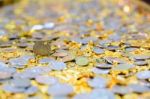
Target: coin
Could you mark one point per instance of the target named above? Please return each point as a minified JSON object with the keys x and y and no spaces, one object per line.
{"x":81,"y":60}
{"x":46,"y":80}
{"x":143,"y":75}
{"x":57,"y":65}
{"x":56,"y":90}
{"x":97,"y":82}
{"x":42,"y":48}
{"x":21,"y":82}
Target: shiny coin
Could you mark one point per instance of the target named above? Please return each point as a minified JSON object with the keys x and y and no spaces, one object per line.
{"x":33,"y":72}
{"x":141,"y":63}
{"x":46,"y":80}
{"x":141,"y":57}
{"x":42,"y":48}
{"x":31,"y":90}
{"x":82,"y":96}
{"x":139,"y":88}
{"x":57,"y":65}
{"x":143,"y":75}
{"x":60,"y":97}
{"x":56,"y":90}
{"x":98,"y":50}
{"x":101,"y":93}
{"x":45,"y":60}
{"x":123,"y":67}
{"x":104,"y":66}
{"x":100,"y":71}
{"x":97,"y":82}
{"x":81,"y":60}
{"x":121,"y":90}
{"x":48,"y":25}
{"x":13,"y":89}
{"x":19,"y":82}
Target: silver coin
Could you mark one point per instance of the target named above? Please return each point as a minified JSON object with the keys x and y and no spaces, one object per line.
{"x":82,"y":96}
{"x":56,"y":90}
{"x":121,"y":90}
{"x":103,"y":66}
{"x":98,"y":50}
{"x":100,"y":71}
{"x":123,"y":67}
{"x":45,"y":60}
{"x":20,"y":82}
{"x":102,"y":94}
{"x":31,"y":90}
{"x":139,"y":88}
{"x":13,"y":89}
{"x":57,"y":65}
{"x":143,"y":74}
{"x":46,"y":80}
{"x":141,"y":63}
{"x":97,"y":82}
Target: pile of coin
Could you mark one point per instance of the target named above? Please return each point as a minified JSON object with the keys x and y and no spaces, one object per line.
{"x":74,"y":49}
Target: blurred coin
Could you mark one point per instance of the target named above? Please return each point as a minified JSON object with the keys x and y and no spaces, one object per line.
{"x":103,"y":66}
{"x":141,"y":63}
{"x":5,"y":75}
{"x":45,"y":60}
{"x":98,"y":50}
{"x":121,"y":90}
{"x":48,"y":25}
{"x":21,"y":82}
{"x":56,"y":90}
{"x":97,"y":82}
{"x":82,"y":96}
{"x":57,"y":65}
{"x":139,"y":88}
{"x":143,"y":74}
{"x":46,"y":80}
{"x":31,"y":90}
{"x":81,"y":61}
{"x":13,"y":89}
{"x":100,"y":71}
{"x":123,"y":67}
{"x":42,"y":48}
{"x":101,"y":93}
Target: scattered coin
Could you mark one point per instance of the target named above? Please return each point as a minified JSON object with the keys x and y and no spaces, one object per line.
{"x":97,"y":82}
{"x":46,"y":80}
{"x":100,"y":71}
{"x":56,"y":65}
{"x":141,"y":63}
{"x":42,"y":48}
{"x":81,"y":60}
{"x":143,"y":75}
{"x":121,"y":90}
{"x":98,"y":50}
{"x":103,"y":93}
{"x":31,"y":90}
{"x":139,"y":88}
{"x":82,"y":96}
{"x":13,"y":89}
{"x":123,"y":67}
{"x":56,"y":90}
{"x":45,"y":60}
{"x":21,"y":82}
{"x":67,"y":50}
